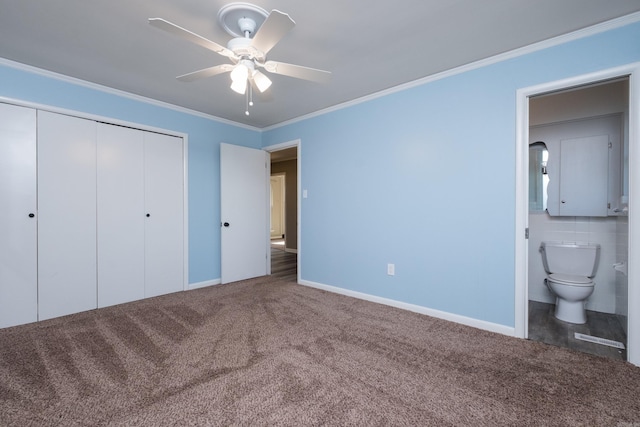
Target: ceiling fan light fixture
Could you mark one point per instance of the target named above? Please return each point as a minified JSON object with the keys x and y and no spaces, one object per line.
{"x":239,"y":86}
{"x":239,"y":76}
{"x":262,"y":82}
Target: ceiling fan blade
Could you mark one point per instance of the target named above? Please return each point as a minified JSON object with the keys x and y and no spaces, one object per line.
{"x":192,"y":37}
{"x":298,"y":71}
{"x":272,"y":30}
{"x":207,"y":72}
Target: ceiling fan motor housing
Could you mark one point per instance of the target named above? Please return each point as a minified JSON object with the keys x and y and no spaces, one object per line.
{"x":243,"y":48}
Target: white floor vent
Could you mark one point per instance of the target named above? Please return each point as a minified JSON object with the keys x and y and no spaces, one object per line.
{"x":599,"y":340}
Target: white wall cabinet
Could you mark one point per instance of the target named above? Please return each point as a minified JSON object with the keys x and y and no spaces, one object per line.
{"x":18,"y":226}
{"x":109,"y":223}
{"x":584,"y":166}
{"x":584,"y":176}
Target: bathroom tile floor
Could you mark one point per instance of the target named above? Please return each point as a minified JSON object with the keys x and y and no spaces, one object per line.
{"x":543,"y":326}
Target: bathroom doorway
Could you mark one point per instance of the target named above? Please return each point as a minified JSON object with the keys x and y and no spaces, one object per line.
{"x":611,"y":309}
{"x":583,"y":131}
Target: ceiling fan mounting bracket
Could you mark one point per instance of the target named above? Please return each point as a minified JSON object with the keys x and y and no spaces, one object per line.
{"x":247,"y":25}
{"x":239,"y":17}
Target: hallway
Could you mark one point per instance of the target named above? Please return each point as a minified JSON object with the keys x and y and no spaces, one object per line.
{"x":283,"y":264}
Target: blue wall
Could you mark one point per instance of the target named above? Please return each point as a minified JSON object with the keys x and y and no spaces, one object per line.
{"x":204,"y":134}
{"x":425,"y":179}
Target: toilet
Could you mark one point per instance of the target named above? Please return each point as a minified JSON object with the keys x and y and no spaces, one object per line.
{"x":570,"y":269}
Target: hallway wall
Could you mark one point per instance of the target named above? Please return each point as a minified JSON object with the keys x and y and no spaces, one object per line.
{"x":290,"y":167}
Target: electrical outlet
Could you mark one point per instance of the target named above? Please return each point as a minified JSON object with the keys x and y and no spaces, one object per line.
{"x":391,"y":269}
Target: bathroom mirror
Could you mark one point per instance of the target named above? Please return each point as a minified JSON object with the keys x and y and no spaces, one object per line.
{"x":538,"y":178}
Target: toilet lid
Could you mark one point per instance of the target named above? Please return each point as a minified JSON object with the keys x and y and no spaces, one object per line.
{"x":571,"y":279}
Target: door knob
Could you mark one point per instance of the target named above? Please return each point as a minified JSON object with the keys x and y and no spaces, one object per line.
{"x":31,"y":215}
{"x":148,"y":215}
{"x":226,"y":224}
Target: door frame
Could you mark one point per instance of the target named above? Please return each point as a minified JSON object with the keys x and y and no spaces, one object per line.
{"x":277,"y":147}
{"x":632,"y":71}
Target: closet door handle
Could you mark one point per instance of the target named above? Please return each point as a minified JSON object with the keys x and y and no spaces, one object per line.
{"x":148,"y":215}
{"x":31,"y":215}
{"x":226,"y":224}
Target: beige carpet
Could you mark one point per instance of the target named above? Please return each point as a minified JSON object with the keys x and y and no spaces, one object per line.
{"x":268,"y":352}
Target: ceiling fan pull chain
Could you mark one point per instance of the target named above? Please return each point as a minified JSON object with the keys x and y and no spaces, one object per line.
{"x":246,"y":111}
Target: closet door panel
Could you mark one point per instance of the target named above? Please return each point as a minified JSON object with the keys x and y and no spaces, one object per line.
{"x":18,"y":222}
{"x":66,"y":215}
{"x":120,"y":215}
{"x":164,"y":234}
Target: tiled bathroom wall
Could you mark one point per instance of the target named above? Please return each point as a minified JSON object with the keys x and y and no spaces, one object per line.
{"x":609,"y":294}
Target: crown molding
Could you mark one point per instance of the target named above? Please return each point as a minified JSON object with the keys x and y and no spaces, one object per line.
{"x":555,"y":41}
{"x":121,"y":93}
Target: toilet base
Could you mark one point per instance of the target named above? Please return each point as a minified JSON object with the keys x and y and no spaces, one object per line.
{"x":571,"y":311}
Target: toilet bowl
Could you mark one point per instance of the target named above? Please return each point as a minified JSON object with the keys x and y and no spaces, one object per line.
{"x":570,"y":270}
{"x":571,"y":294}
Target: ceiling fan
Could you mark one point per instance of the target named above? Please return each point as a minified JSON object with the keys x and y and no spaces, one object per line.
{"x":255,"y":33}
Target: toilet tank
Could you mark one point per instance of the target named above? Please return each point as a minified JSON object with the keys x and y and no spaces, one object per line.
{"x":580,"y":259}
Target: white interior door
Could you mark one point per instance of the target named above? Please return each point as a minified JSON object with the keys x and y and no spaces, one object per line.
{"x":121,"y":213}
{"x":66,"y":215}
{"x":18,"y":222}
{"x":164,"y":214}
{"x":244,"y":201}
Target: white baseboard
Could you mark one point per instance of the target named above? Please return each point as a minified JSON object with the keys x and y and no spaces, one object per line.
{"x":204,"y":284}
{"x":468,"y":321}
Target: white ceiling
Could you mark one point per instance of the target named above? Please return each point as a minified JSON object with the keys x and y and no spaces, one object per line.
{"x":368,"y":45}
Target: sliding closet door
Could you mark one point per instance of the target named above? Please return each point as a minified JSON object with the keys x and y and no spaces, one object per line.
{"x":18,"y":222}
{"x":164,"y":234}
{"x":121,"y":217}
{"x":66,"y":215}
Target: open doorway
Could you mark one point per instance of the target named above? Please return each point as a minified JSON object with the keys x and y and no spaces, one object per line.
{"x":284,"y":212}
{"x":621,"y":289}
{"x":578,"y":208}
